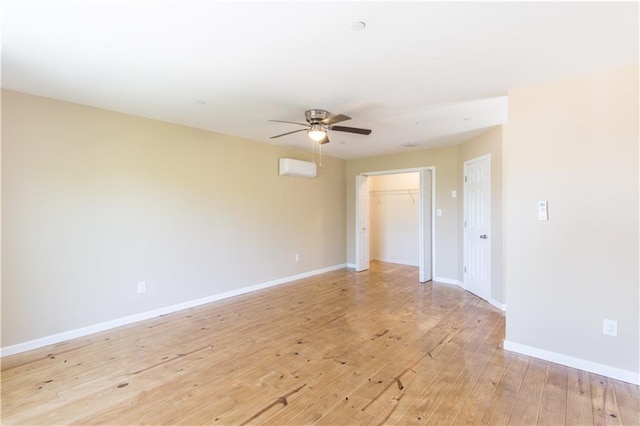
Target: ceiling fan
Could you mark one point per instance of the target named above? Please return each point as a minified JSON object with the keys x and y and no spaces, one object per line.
{"x":319,"y":122}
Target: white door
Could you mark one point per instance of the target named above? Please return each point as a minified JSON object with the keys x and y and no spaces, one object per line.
{"x":362,"y":223}
{"x":426,"y":274}
{"x":477,"y":226}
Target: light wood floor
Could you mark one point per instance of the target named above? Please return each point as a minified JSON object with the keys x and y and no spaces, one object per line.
{"x":342,"y":348}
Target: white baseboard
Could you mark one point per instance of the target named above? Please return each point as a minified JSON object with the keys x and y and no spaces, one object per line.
{"x":396,"y":261}
{"x":491,"y":301}
{"x":351,"y":265}
{"x":569,"y":361}
{"x":495,"y":303}
{"x":85,"y":331}
{"x":447,"y":281}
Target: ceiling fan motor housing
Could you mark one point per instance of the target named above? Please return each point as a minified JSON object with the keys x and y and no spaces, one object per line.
{"x":316,"y":115}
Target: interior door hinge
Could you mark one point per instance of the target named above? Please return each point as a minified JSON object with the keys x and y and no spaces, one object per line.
{"x":465,"y":269}
{"x":465,"y":179}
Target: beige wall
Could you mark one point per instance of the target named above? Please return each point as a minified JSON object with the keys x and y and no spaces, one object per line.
{"x":95,"y":201}
{"x":447,"y":179}
{"x":395,"y":182}
{"x":490,"y":143}
{"x":574,"y":143}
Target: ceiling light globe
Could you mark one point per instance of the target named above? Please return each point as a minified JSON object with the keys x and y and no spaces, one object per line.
{"x":316,"y":135}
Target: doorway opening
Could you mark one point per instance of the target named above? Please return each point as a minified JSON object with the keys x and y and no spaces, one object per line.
{"x":393,"y":214}
{"x":404,"y":202}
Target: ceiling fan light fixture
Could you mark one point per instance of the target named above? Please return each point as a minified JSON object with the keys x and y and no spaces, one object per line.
{"x":319,"y":123}
{"x":316,"y":133}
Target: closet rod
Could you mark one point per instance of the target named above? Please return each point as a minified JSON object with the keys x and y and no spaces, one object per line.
{"x":409,"y":191}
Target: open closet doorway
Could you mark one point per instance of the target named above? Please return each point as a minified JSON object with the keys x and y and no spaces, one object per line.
{"x":393,"y":213}
{"x":394,"y":219}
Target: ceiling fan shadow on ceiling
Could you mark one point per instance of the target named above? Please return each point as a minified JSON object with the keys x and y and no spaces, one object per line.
{"x":319,"y":122}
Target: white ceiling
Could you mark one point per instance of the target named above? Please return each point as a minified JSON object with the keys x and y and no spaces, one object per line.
{"x":430,"y":73}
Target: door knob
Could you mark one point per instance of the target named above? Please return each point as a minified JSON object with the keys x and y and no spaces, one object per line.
{"x":483,"y":236}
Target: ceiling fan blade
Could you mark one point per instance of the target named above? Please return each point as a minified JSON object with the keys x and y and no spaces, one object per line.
{"x":350,"y":130}
{"x":288,"y":133}
{"x":324,"y":140}
{"x":291,"y":122}
{"x":335,"y":119}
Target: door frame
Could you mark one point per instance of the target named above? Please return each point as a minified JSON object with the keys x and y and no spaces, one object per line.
{"x":465,"y":206}
{"x":421,"y":220}
{"x":362,"y":215}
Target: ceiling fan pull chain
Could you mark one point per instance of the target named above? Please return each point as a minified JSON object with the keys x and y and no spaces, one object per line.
{"x":320,"y":150}
{"x":313,"y":152}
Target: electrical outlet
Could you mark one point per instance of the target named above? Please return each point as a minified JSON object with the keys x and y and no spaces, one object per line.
{"x":297,"y":257}
{"x":142,"y":286}
{"x":610,"y":327}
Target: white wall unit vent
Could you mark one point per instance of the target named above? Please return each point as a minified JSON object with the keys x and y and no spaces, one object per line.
{"x":291,"y":167}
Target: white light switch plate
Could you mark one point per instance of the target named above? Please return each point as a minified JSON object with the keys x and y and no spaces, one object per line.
{"x":543,"y":213}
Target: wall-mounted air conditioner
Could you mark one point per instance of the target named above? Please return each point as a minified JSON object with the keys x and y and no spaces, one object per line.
{"x":291,"y":167}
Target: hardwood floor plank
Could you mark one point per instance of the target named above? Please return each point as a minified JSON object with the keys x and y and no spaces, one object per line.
{"x":553,"y":404}
{"x":472,"y":369}
{"x":461,"y":348}
{"x":527,"y":404}
{"x":628,"y":399}
{"x":579,"y":411}
{"x":604,"y":403}
{"x":479,"y":398}
{"x":340,"y":348}
{"x":502,"y":404}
